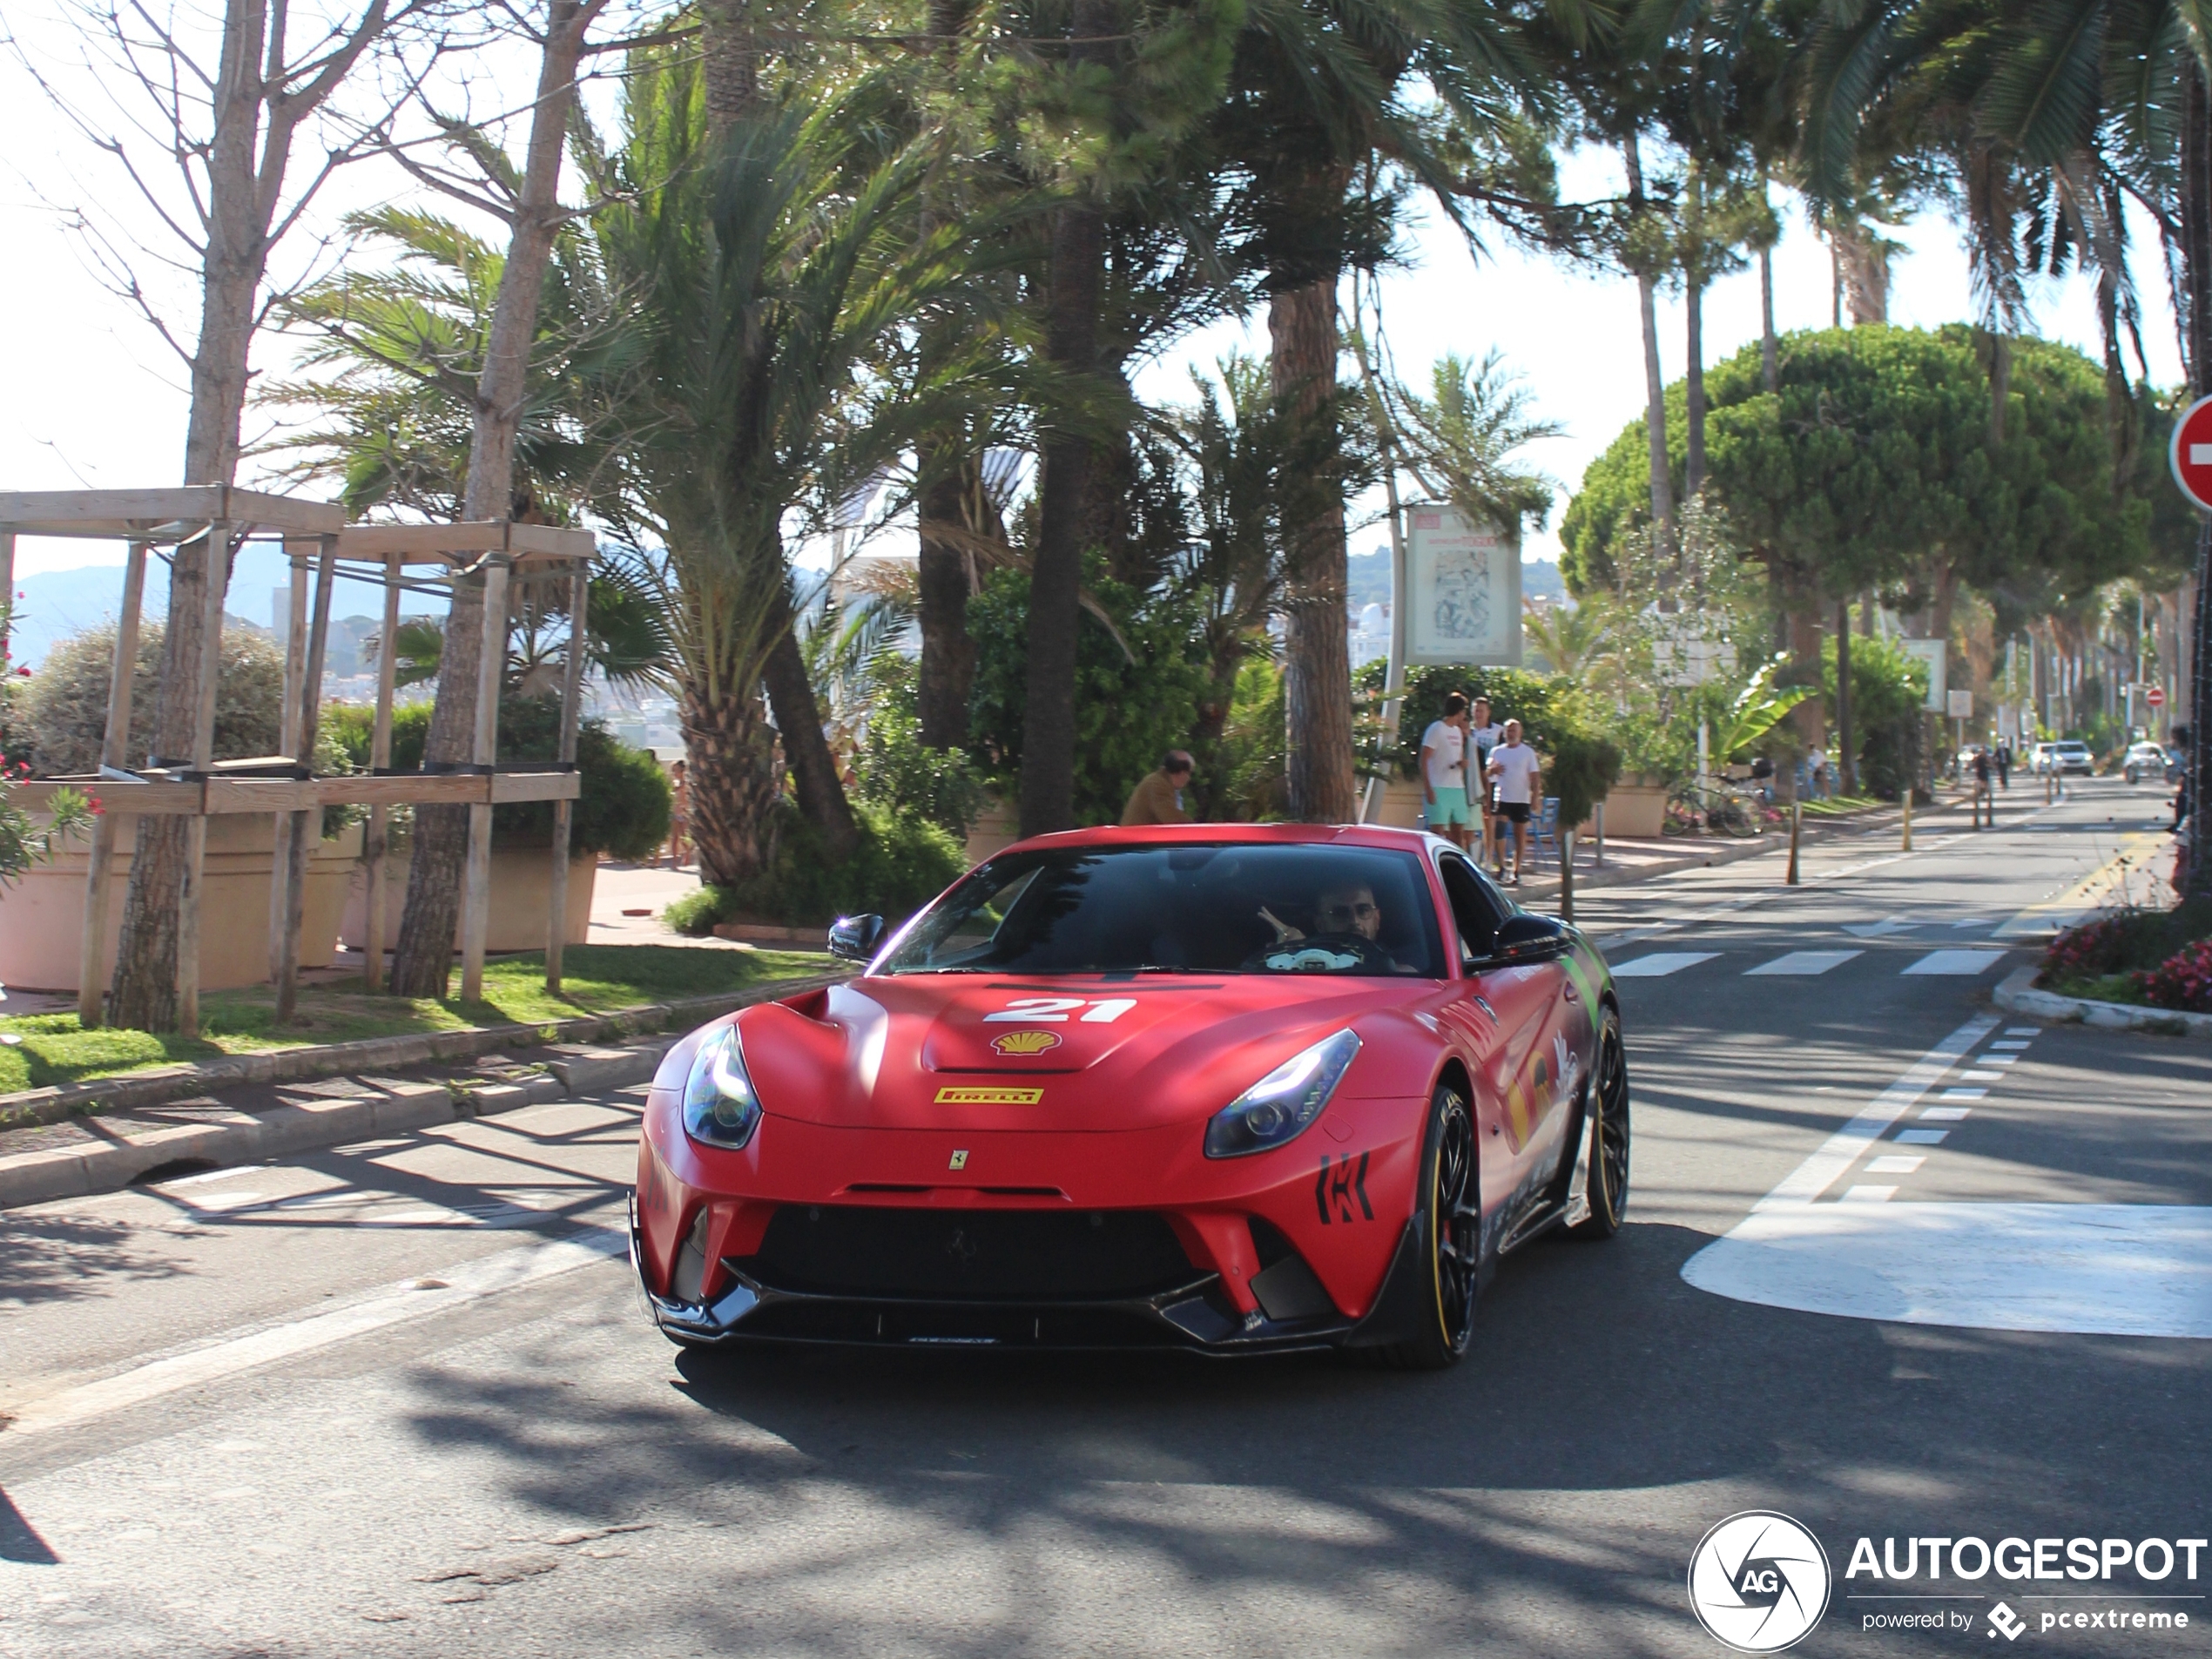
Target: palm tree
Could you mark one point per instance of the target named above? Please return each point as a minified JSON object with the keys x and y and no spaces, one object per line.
{"x":767,"y":263}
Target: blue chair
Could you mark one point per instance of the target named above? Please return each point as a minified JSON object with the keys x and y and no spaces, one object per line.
{"x":1543,"y":828}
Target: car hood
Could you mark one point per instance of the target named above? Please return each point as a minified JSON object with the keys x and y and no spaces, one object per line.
{"x":984,"y":1052}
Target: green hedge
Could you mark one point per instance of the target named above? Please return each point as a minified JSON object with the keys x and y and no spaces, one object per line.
{"x":626,"y":803}
{"x":900,"y":864}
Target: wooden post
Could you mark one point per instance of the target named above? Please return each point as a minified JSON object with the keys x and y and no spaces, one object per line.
{"x":475,"y":913}
{"x":302,"y":842}
{"x":295,"y":668}
{"x":1567,"y":875}
{"x":92,"y":960}
{"x":379,"y":757}
{"x":564,"y":811}
{"x":1796,"y":820}
{"x":1908,"y":818}
{"x":1597,"y":814}
{"x":203,"y":756}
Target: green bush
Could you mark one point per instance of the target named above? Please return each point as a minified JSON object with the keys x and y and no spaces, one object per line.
{"x":1887,"y":690}
{"x":1580,"y":770}
{"x":64,"y":705}
{"x":896,"y":771}
{"x":900,"y":864}
{"x":1253,"y":756}
{"x":1127,"y":713}
{"x":626,"y":803}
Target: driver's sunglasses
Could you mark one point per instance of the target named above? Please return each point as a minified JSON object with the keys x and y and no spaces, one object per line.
{"x":1360,"y":912}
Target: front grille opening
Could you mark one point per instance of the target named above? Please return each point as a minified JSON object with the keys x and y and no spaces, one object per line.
{"x":908,"y":1325}
{"x":969,"y":1255}
{"x":1268,"y":1242}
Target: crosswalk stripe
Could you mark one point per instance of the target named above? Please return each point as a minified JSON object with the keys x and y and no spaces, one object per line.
{"x":1662,"y":963}
{"x":1960,"y":962}
{"x":1804,"y":962}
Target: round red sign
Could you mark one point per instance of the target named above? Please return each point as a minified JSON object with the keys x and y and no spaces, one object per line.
{"x":2155,"y":697}
{"x":2191,"y":454}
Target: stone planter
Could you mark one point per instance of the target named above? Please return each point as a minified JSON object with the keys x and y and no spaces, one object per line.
{"x":1401,"y":807}
{"x":1635,"y":812}
{"x":42,"y":917}
{"x":522,"y":899}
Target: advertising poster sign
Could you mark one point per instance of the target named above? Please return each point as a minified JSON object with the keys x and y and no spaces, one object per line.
{"x":1930,"y":652}
{"x":1464,"y":590}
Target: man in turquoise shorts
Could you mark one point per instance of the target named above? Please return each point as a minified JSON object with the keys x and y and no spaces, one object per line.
{"x":1443,"y":772}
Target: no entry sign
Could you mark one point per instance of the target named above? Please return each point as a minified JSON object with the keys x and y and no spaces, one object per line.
{"x":2191,"y":454}
{"x":2155,"y":697}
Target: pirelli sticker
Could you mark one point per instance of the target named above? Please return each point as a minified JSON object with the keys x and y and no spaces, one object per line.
{"x":990,"y":1097}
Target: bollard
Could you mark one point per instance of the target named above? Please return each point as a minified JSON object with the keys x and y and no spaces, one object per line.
{"x":1795,"y":817}
{"x":1908,"y":818}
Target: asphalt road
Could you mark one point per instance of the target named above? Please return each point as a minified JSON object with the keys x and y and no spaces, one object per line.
{"x":399,"y":1399}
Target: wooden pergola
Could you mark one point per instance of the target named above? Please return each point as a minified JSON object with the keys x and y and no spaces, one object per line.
{"x":394,"y":556}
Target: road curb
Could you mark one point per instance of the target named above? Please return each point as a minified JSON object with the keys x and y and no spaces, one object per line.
{"x":160,"y":1084}
{"x":399,"y":1107}
{"x":2019,"y":995}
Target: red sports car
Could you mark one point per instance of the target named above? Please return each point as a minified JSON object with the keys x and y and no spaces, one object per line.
{"x":1230,"y":1089}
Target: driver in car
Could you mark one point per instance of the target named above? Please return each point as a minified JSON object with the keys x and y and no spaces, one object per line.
{"x":1347,"y":911}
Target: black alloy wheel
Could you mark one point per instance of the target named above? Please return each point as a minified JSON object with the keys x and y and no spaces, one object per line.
{"x":1450,"y":1230}
{"x":1608,"y":1188}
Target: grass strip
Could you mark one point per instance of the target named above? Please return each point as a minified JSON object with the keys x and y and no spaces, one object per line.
{"x":596,"y":979}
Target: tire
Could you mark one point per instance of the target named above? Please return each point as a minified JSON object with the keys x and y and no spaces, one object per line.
{"x":1608,"y":1188}
{"x":1450,"y":1230}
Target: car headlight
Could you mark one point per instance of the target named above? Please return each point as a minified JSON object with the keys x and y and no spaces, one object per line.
{"x":1282,"y":1105}
{"x":719,"y":1105}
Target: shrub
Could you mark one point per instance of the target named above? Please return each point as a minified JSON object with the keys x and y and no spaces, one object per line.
{"x":1887,"y":690}
{"x":626,"y":804}
{"x":65,"y":705}
{"x":1127,"y":713}
{"x":1579,"y":770}
{"x":2131,"y":945}
{"x":900,"y":864}
{"x":893,"y":769}
{"x":2183,"y":981}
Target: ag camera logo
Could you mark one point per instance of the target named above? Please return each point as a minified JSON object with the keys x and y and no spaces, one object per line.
{"x":1758,"y":1581}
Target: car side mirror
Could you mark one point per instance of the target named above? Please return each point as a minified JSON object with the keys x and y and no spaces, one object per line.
{"x":1525,"y":938}
{"x":854,"y":938}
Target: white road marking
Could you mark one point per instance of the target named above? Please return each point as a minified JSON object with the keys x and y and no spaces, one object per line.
{"x":387,"y":1305}
{"x":2023,"y":1031}
{"x":2115,"y":1270}
{"x":1921,"y":1136}
{"x":1963,"y":962}
{"x":1996,"y":1059}
{"x":1945,"y":1114}
{"x":1804,"y":962}
{"x":1878,"y":929}
{"x":1981,"y":1076}
{"x":1662,"y":963}
{"x":1965,"y":1094}
{"x":1841,"y":1150}
{"x":1865,"y":1194}
{"x":1894,"y":1165}
{"x":2014,"y":1049}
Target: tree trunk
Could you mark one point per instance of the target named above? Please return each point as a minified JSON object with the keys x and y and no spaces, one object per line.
{"x":422,"y":954}
{"x":1655,"y":386}
{"x":1847,"y":753}
{"x":1804,"y":646}
{"x":948,"y":666}
{"x":731,"y":785}
{"x":1863,"y":261}
{"x":1322,"y":786}
{"x":1770,"y":366}
{"x":815,"y":784}
{"x":1047,"y":787}
{"x":143,"y":994}
{"x":1694,"y":391}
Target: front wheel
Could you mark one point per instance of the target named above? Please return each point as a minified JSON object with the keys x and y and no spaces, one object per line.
{"x":1449,"y":1227}
{"x":1607,"y":1184}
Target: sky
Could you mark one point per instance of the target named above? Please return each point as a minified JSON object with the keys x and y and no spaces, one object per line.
{"x":90,"y":396}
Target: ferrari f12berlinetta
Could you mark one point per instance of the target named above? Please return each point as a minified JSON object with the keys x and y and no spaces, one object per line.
{"x":1231,"y":1089}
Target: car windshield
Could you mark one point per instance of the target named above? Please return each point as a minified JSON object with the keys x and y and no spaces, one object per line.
{"x":1240,"y":908}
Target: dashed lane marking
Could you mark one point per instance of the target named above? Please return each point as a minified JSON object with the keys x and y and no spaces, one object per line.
{"x":1662,"y":963}
{"x":1804,"y":963}
{"x":1960,"y":962}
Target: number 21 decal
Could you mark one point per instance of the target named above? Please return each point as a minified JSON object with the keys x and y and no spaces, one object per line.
{"x":1055,"y":1011}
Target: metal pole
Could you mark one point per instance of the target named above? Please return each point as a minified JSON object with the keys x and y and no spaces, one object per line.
{"x":1795,"y":819}
{"x":295,"y":669}
{"x":7,"y":589}
{"x":203,"y":757}
{"x":375,"y":845}
{"x":296,"y":889}
{"x":92,"y":960}
{"x":476,"y":918}
{"x":1394,"y":668}
{"x":564,"y":811}
{"x":1597,"y":822}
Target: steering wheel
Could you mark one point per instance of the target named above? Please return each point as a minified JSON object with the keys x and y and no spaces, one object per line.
{"x":1320,"y":954}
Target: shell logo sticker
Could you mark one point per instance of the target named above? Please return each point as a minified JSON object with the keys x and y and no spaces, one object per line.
{"x":954,"y":1096}
{"x":1025,"y":1042}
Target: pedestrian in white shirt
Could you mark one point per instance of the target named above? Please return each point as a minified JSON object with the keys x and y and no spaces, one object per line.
{"x":1518,"y":775}
{"x":1483,"y":735}
{"x":1443,"y":772}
